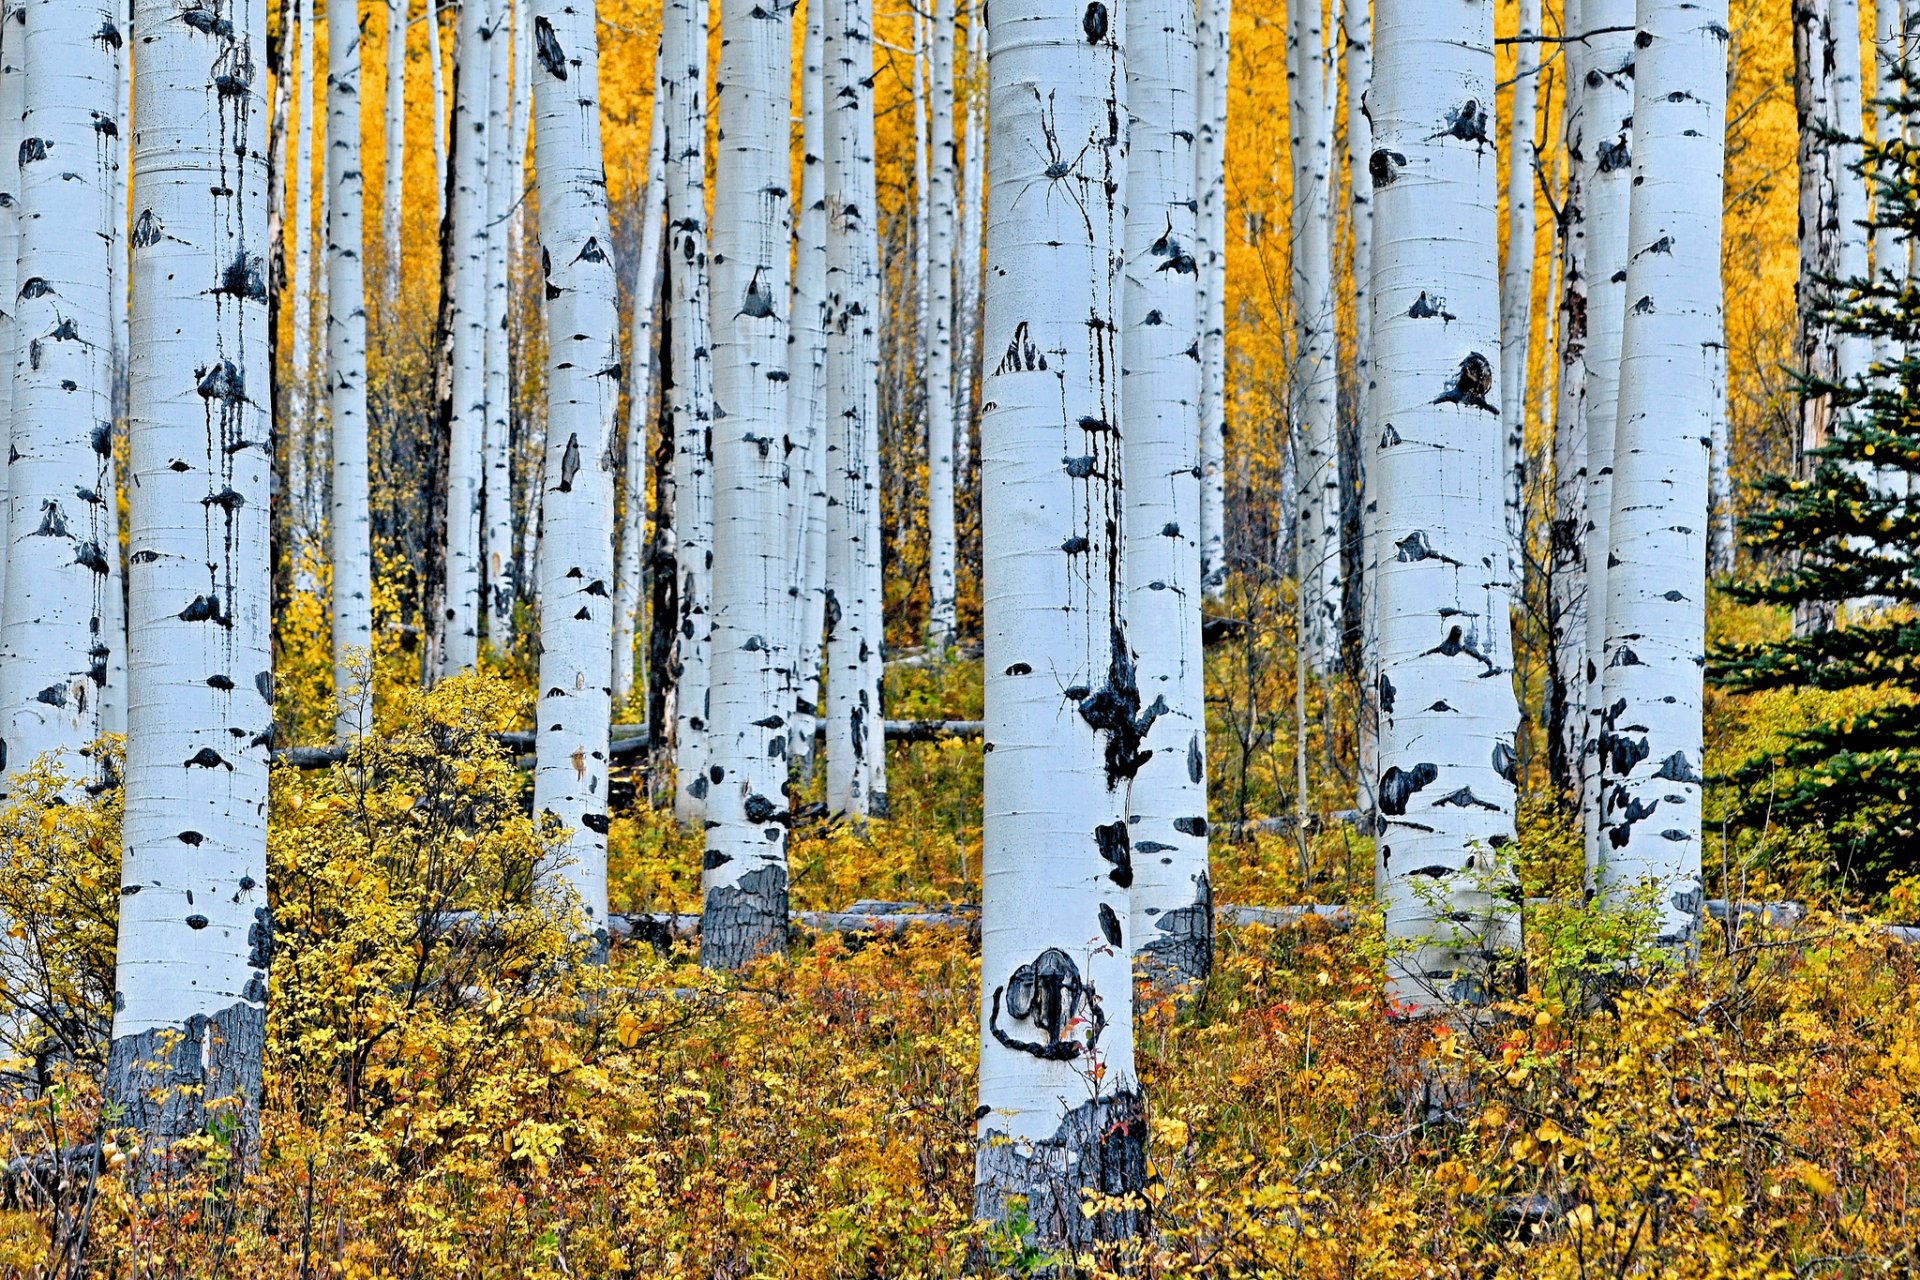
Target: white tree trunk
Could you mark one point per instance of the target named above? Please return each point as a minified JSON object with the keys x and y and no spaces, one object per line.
{"x":191,"y":989}
{"x":1211,"y":68}
{"x":1815,"y":343}
{"x":393,"y":184}
{"x":1606,"y":175}
{"x":1357,"y":25}
{"x":496,"y":535}
{"x":744,"y":876}
{"x":1890,"y":254}
{"x":1567,"y":584}
{"x":572,"y":751}
{"x":1654,"y":659}
{"x":941,"y":570}
{"x":1516,"y":283}
{"x":350,"y":530}
{"x":1723,"y":537}
{"x":1172,"y":898}
{"x":54,"y":638}
{"x":683,"y":53}
{"x":1447,"y":707}
{"x":438,"y":82}
{"x":1316,"y":351}
{"x":968,"y":255}
{"x":467,"y":332}
{"x":921,"y":274}
{"x":806,"y":399}
{"x":13,"y":90}
{"x":1060,"y":1109}
{"x":1855,"y":350}
{"x":856,"y":754}
{"x":629,"y":579}
{"x":301,"y":481}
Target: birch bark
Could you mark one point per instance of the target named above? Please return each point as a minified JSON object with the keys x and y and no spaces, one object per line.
{"x":299,"y":428}
{"x":1516,"y":282}
{"x":744,"y":875}
{"x":1651,"y":745}
{"x":582,"y":294}
{"x":1060,"y":1108}
{"x":856,"y":756}
{"x":190,"y":1005}
{"x":1890,"y":253}
{"x":467,"y":332}
{"x":393,"y":176}
{"x":968,"y":256}
{"x":496,"y":487}
{"x":1172,"y":898}
{"x":806,"y":401}
{"x":13,"y":89}
{"x":1855,"y":350}
{"x":646,"y":298}
{"x":350,"y":529}
{"x":1567,"y":582}
{"x":54,"y":639}
{"x":437,"y":82}
{"x":941,"y":556}
{"x":683,"y":53}
{"x":1447,"y":707}
{"x":1214,"y":26}
{"x":1357,"y":26}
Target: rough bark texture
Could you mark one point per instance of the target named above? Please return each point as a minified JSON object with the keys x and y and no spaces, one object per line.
{"x":629,"y":580}
{"x":54,"y":642}
{"x":1171,"y":903}
{"x":752,"y":244}
{"x":1213,"y":25}
{"x":1651,"y":745}
{"x":349,"y":531}
{"x":1064,"y":719}
{"x":856,"y":758}
{"x":1566,"y":709}
{"x":1447,"y":707}
{"x":195,"y":934}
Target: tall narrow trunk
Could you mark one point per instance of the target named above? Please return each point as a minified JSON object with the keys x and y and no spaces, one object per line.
{"x":1516,"y":282}
{"x":53,"y":637}
{"x":1606,"y":175}
{"x":1447,"y":708}
{"x":921,"y":206}
{"x":1060,"y":1108}
{"x":583,"y":393}
{"x":1723,"y":537}
{"x":1567,"y":567}
{"x":628,"y":579}
{"x":189,"y":1021}
{"x":856,"y":748}
{"x":1211,"y":69}
{"x":1357,"y":26}
{"x":437,"y":68}
{"x":744,"y":880}
{"x":1172,"y":899}
{"x":941,"y":571}
{"x":13,"y":90}
{"x":1652,"y":743}
{"x":1855,"y":350}
{"x":683,"y":79}
{"x":393,"y":176}
{"x":1816,"y":345}
{"x":467,"y":332}
{"x":968,"y":255}
{"x":1890,"y":253}
{"x":350,"y":533}
{"x":806,"y":400}
{"x":301,"y":482}
{"x":496,"y":488}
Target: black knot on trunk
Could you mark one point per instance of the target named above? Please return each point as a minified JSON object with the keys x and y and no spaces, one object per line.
{"x":547,"y":48}
{"x":1094,"y":22}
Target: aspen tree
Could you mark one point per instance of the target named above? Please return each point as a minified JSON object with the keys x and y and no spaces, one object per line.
{"x":1516,"y":281}
{"x":299,"y":429}
{"x":629,"y":578}
{"x":683,"y":81}
{"x":968,"y":255}
{"x":1816,"y":349}
{"x":55,"y":637}
{"x":1357,"y":25}
{"x":393,"y":176}
{"x":744,"y":875}
{"x":1447,"y":707}
{"x":1855,"y":350}
{"x":1723,"y":532}
{"x":1060,"y":1109}
{"x":1214,"y":26}
{"x":496,"y":486}
{"x":1172,"y":897}
{"x":467,"y":333}
{"x":1890,"y":252}
{"x":437,"y":83}
{"x":13,"y":88}
{"x":806,"y":399}
{"x":189,"y":1020}
{"x":855,"y":743}
{"x":349,"y":531}
{"x":1567,"y":581}
{"x":1606,"y":174}
{"x":583,"y":394}
{"x":1651,"y":746}
{"x":941,"y":572}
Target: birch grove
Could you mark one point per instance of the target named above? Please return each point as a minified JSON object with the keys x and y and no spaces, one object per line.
{"x":349,"y":528}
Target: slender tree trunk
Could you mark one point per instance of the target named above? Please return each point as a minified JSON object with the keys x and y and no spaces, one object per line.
{"x":299,"y":427}
{"x":856,"y":756}
{"x":1652,"y":748}
{"x":189,"y":1021}
{"x":968,"y":255}
{"x":1447,"y":708}
{"x":496,"y":487}
{"x":627,"y":609}
{"x":1516,"y":283}
{"x":467,"y":332}
{"x":53,"y":642}
{"x":1567,"y":569}
{"x":350,"y":529}
{"x":1855,"y":350}
{"x":1061,"y":1113}
{"x":683,"y":54}
{"x":1172,"y":899}
{"x":583,"y":395}
{"x":921,"y":205}
{"x":13,"y":89}
{"x":1211,"y":68}
{"x":1606,"y":176}
{"x":393,"y":185}
{"x":744,"y":880}
{"x":1816,"y":346}
{"x":1723,"y":537}
{"x":1357,"y":26}
{"x":806,"y":401}
{"x":437,"y":81}
{"x":941,"y":571}
{"x":1890,"y":253}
